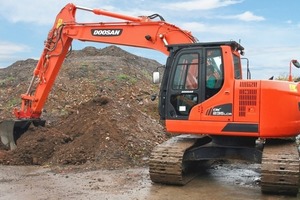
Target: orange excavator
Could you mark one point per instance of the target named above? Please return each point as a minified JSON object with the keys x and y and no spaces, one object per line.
{"x":212,"y":112}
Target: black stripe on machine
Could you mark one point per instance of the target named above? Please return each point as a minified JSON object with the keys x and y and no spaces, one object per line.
{"x":238,"y":127}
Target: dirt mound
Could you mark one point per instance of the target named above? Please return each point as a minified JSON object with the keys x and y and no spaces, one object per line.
{"x":99,"y":111}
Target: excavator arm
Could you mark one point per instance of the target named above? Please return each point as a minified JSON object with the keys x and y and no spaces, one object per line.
{"x":141,"y":32}
{"x":136,"y":31}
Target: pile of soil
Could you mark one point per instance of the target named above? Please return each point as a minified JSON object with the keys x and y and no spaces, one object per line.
{"x":99,"y":112}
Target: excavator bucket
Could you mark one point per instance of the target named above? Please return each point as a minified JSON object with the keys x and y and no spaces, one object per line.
{"x":11,"y":130}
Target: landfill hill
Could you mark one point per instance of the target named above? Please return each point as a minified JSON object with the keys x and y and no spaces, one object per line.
{"x":99,"y":112}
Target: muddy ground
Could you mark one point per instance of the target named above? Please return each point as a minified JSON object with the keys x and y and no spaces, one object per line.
{"x":222,"y":181}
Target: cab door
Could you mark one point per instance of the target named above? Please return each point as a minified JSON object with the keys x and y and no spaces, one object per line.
{"x":186,"y":87}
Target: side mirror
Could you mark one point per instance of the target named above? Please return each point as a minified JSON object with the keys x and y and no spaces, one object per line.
{"x":296,"y":63}
{"x":155,"y":77}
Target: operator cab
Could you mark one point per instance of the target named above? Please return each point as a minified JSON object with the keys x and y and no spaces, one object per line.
{"x":194,"y":74}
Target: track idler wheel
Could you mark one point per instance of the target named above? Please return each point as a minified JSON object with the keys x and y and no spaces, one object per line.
{"x":11,"y":130}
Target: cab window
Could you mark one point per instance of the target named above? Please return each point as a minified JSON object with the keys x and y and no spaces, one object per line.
{"x":186,"y":79}
{"x":237,"y":67}
{"x":186,"y":74}
{"x":214,"y":72}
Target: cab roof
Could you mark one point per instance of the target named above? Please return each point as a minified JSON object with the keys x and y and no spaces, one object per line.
{"x":233,"y":44}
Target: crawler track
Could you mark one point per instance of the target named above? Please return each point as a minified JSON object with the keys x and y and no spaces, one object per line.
{"x":166,"y":161}
{"x":280,"y":169}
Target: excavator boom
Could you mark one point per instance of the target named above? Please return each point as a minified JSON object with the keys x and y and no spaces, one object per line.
{"x":142,"y":32}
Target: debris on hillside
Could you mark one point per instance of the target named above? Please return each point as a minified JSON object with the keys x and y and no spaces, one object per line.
{"x":99,"y":111}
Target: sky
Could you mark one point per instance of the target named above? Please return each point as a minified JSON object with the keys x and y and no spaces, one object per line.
{"x":268,"y":30}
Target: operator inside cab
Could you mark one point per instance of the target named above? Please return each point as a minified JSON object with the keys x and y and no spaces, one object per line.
{"x":211,"y":79}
